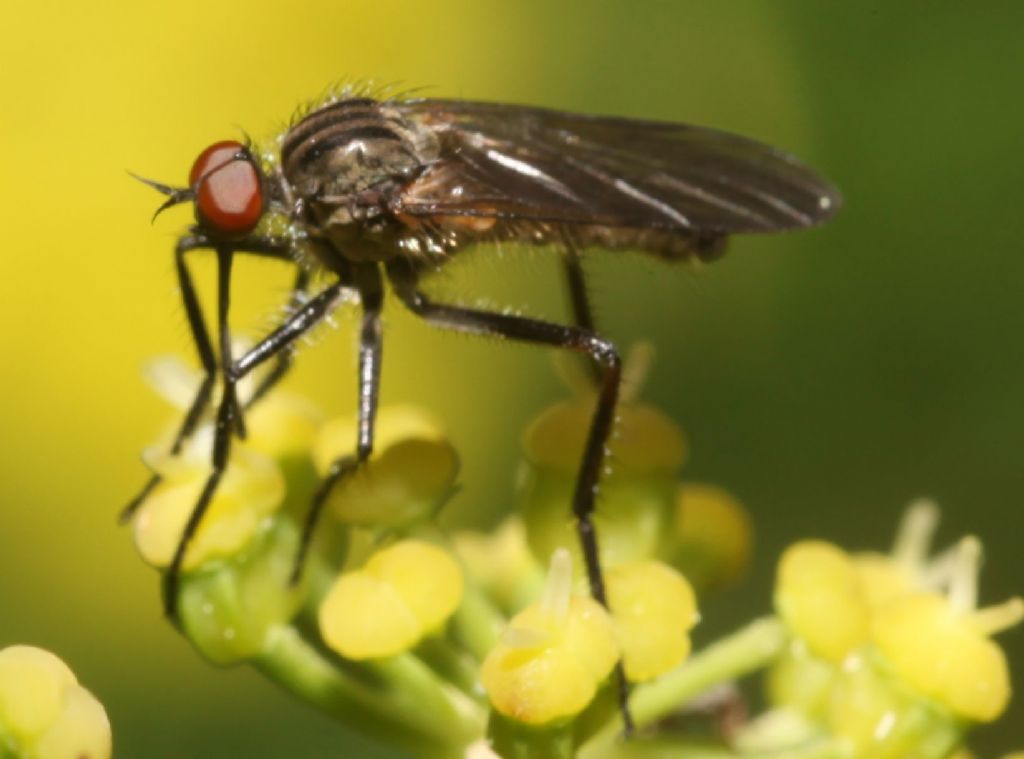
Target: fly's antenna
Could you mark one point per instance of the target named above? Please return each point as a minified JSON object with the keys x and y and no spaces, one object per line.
{"x":174,"y":195}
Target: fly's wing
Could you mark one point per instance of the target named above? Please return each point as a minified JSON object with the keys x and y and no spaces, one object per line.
{"x":516,"y":162}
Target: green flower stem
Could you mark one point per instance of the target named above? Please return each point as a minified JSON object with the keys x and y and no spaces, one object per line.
{"x":454,"y":665}
{"x":399,"y":701}
{"x":512,"y":740}
{"x":742,"y":652}
{"x":677,"y":748}
{"x":660,"y":748}
{"x":680,"y":748}
{"x":424,"y":700}
{"x":477,"y":623}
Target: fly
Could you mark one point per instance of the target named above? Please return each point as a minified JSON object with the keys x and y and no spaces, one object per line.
{"x":375,"y":193}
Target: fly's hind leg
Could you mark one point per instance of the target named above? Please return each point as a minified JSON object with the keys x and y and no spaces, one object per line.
{"x":579,"y":297}
{"x":605,"y":356}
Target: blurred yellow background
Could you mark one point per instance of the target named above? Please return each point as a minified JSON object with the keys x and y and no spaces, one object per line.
{"x":825,"y":377}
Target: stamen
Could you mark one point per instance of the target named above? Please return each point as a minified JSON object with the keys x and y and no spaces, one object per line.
{"x":996,"y":619}
{"x":915,"y":533}
{"x":635,"y":369}
{"x":558,"y":591}
{"x":963,"y":585}
{"x":938,"y":573}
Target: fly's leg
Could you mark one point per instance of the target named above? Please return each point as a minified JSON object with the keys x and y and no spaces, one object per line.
{"x":370,"y":353}
{"x":204,"y":347}
{"x":222,"y":432}
{"x":579,"y":299}
{"x":284,"y":359}
{"x":576,"y":285}
{"x":281,"y":339}
{"x":572,"y":338}
{"x":201,"y":339}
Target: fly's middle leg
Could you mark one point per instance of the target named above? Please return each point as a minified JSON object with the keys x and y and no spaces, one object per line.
{"x":368,"y":282}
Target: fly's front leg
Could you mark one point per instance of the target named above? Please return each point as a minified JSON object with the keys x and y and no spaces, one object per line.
{"x":298,"y":324}
{"x":370,"y":354}
{"x":222,"y":433}
{"x":577,"y":339}
{"x":204,"y":347}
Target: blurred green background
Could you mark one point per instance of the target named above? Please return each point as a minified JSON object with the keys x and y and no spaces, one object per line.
{"x":825,"y":377}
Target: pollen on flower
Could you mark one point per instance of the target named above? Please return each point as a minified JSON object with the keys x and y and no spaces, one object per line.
{"x":403,"y":593}
{"x":653,"y":610}
{"x":411,"y":471}
{"x":251,"y":489}
{"x":45,"y":712}
{"x":553,"y":655}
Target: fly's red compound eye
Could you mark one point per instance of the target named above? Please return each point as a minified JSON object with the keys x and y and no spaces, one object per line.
{"x":228,"y":193}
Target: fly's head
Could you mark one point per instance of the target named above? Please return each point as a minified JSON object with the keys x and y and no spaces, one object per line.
{"x":226,"y":188}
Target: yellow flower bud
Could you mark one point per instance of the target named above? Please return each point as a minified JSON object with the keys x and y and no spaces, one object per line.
{"x":44,"y":710}
{"x":283,"y":424}
{"x":644,"y":441}
{"x":714,"y":535}
{"x":882,"y":579}
{"x":403,"y":593}
{"x":653,"y":609}
{"x":818,"y":594}
{"x":636,"y":498}
{"x":364,"y":618}
{"x":426,"y":578}
{"x":412,"y":469}
{"x":550,"y":660}
{"x":943,"y":654}
{"x":251,"y":489}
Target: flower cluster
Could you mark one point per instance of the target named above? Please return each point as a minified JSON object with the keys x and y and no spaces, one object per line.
{"x":461,"y":643}
{"x":890,"y":653}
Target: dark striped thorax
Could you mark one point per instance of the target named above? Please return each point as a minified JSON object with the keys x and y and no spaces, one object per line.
{"x":342,"y":159}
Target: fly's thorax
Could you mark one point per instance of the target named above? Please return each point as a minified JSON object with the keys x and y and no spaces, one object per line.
{"x":348,"y":152}
{"x":343,"y":162}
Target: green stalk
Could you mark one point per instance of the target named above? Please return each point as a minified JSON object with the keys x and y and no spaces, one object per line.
{"x":477,"y":623}
{"x":513,"y":740}
{"x":730,"y":658}
{"x":399,"y":701}
{"x":677,"y":748}
{"x":454,"y":665}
